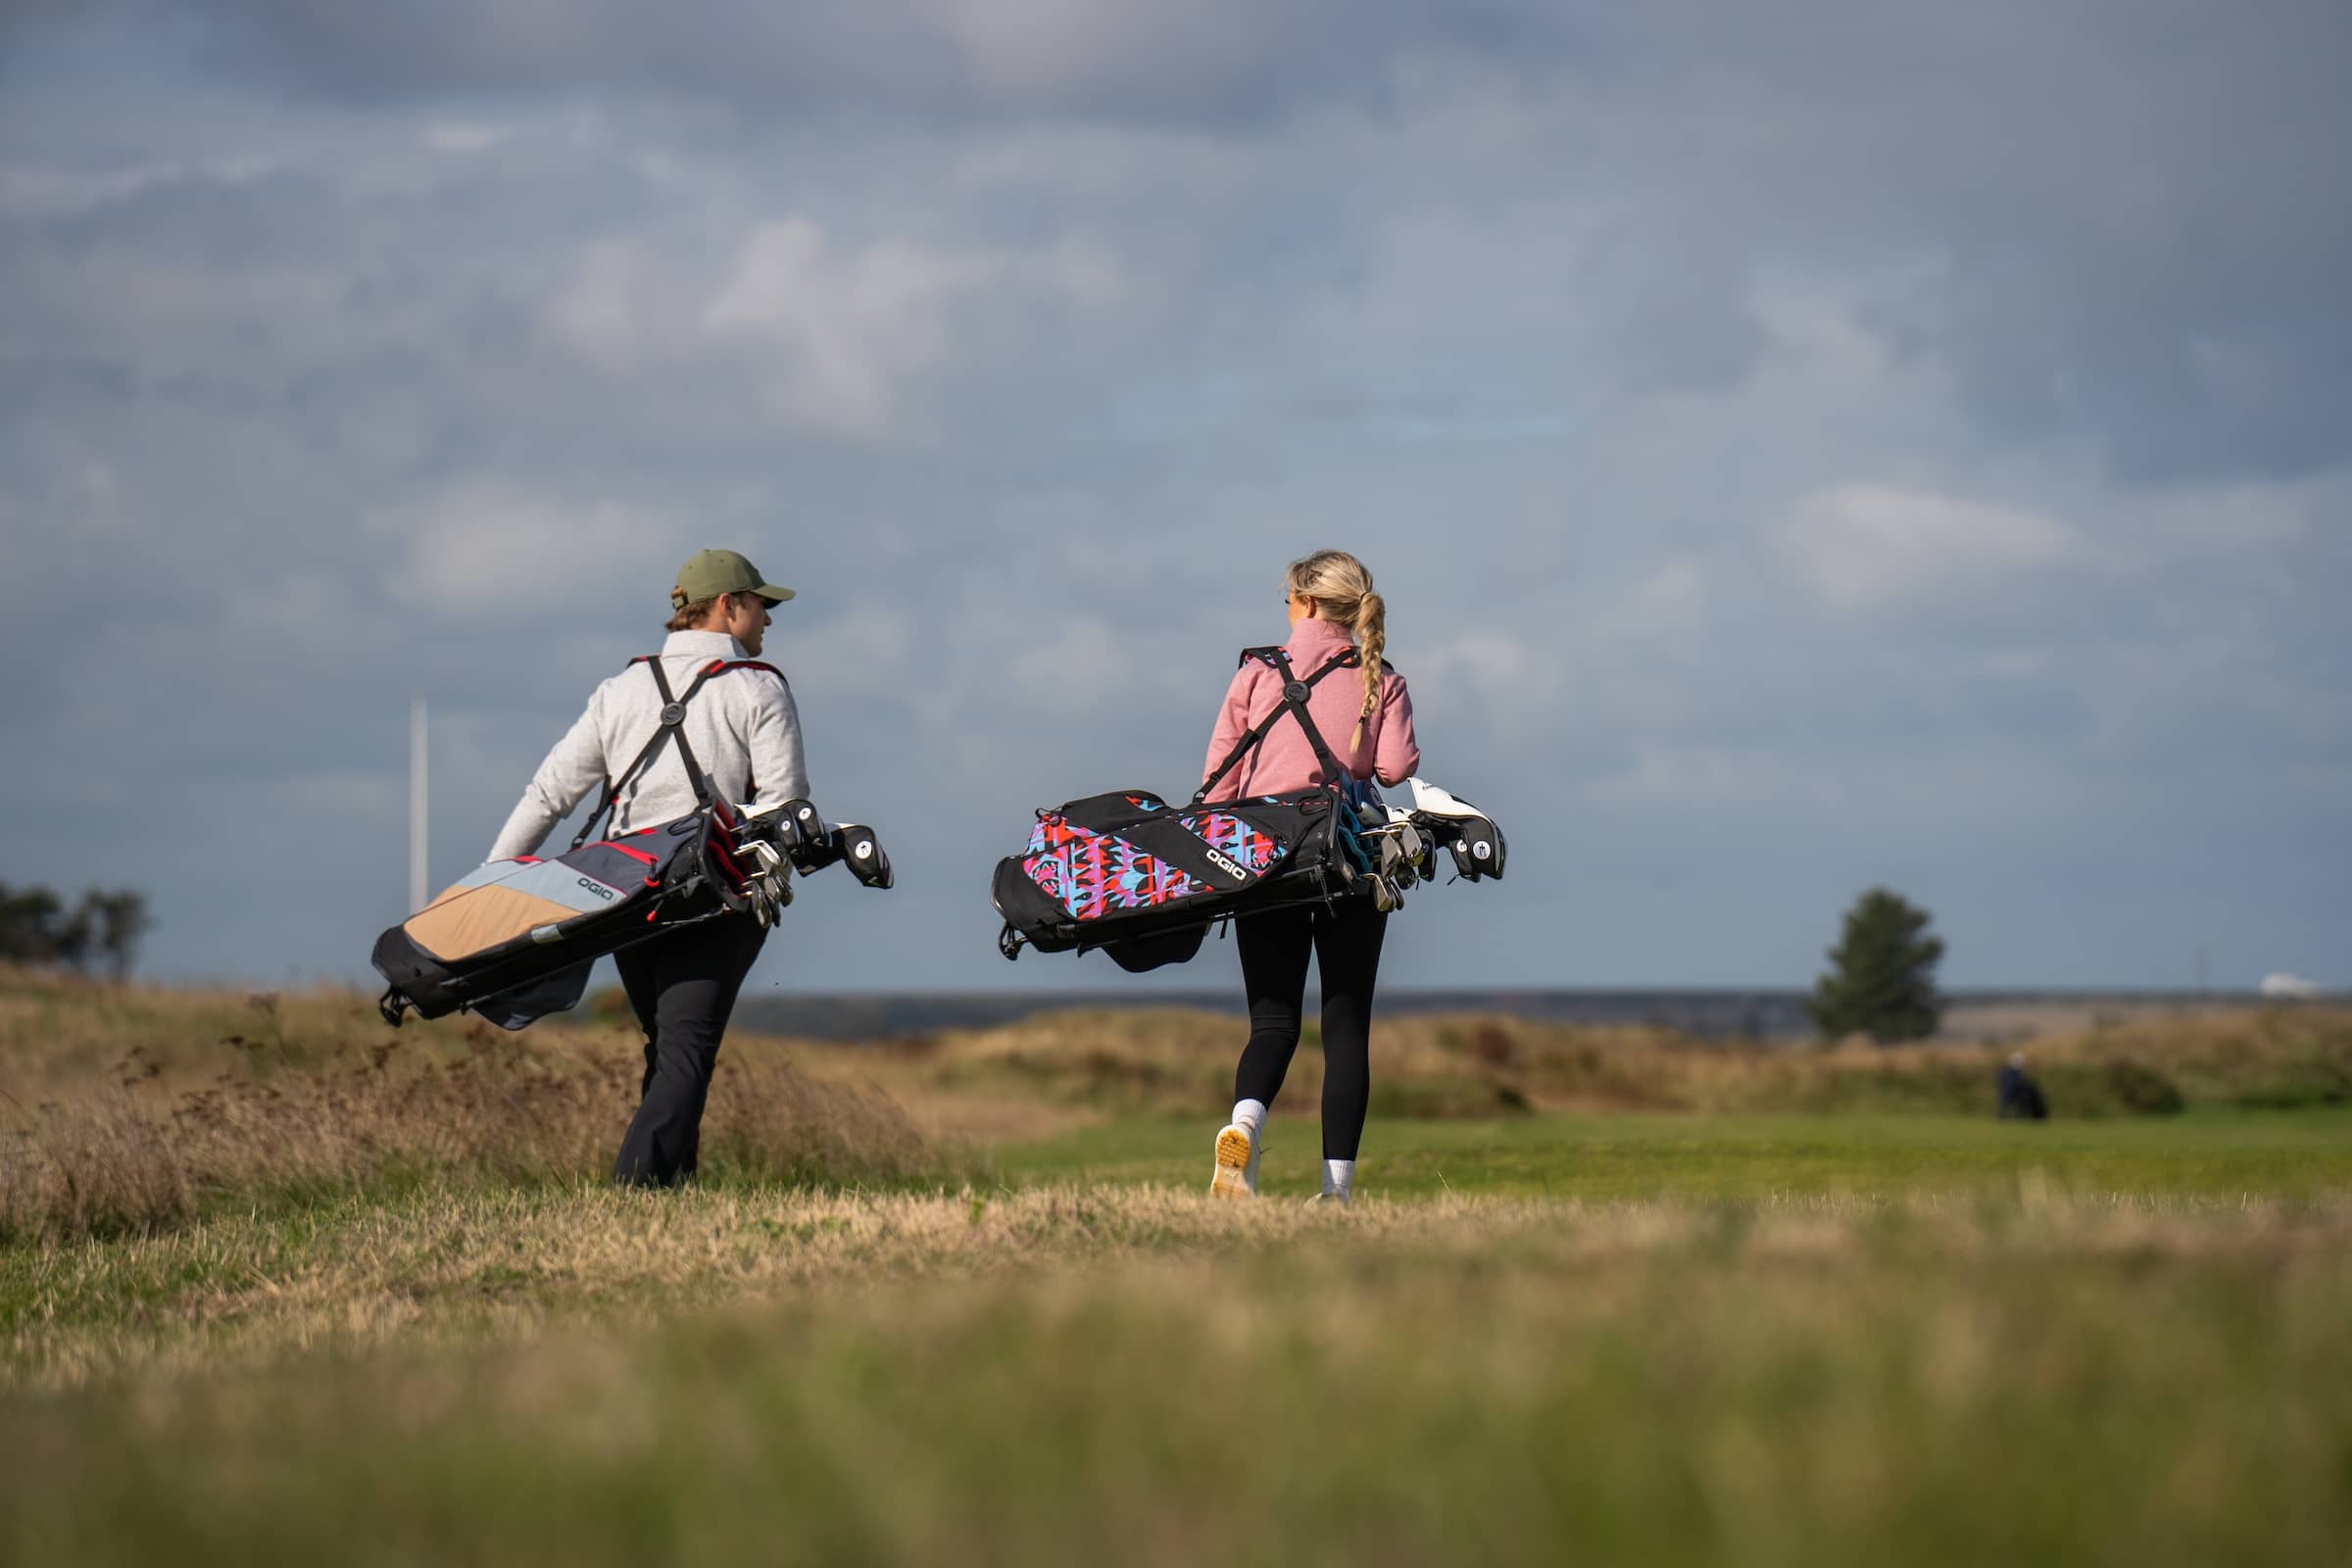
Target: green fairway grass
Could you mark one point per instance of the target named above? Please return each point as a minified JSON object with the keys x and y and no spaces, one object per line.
{"x":2216,"y":1153}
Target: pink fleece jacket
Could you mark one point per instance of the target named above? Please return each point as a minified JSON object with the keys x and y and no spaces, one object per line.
{"x":1284,"y":761}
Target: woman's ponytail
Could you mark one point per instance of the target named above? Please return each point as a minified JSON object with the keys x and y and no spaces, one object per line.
{"x":1371,"y":639}
{"x":1341,"y":591}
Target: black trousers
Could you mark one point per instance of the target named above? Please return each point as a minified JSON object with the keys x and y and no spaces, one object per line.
{"x":1274,"y":947}
{"x":682,"y":987}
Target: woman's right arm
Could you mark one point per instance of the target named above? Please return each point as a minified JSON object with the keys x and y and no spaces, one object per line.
{"x":574,"y":767}
{"x":1399,"y":755}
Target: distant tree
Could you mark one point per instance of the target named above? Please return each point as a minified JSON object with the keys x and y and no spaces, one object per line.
{"x":1882,"y":976}
{"x":117,"y":920}
{"x":29,"y":920}
{"x":70,"y":935}
{"x":37,"y":928}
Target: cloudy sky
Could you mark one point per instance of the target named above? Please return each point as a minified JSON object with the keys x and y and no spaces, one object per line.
{"x":1889,"y":442}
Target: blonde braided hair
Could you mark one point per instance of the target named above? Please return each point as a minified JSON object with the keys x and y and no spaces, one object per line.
{"x":1337,"y":584}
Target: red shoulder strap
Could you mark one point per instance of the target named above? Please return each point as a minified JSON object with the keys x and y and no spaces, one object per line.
{"x":717,"y":664}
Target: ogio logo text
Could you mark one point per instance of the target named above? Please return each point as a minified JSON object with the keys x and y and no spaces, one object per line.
{"x":1228,"y":867}
{"x":599,"y":889}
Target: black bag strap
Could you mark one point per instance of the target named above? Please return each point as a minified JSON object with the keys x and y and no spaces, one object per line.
{"x":671,"y":722}
{"x":1294,"y":693}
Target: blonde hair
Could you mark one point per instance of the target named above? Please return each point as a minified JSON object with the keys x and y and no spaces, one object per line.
{"x":1337,"y":584}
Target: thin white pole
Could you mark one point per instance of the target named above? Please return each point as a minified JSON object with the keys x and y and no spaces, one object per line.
{"x":418,"y":887}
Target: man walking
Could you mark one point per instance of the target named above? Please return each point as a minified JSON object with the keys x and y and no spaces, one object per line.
{"x":740,"y":726}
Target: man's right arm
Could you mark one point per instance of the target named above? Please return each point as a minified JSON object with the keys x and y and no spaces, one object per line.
{"x":772,"y":739}
{"x":574,"y":767}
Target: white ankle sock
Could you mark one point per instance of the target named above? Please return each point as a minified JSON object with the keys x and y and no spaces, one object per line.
{"x":1249,"y":1114}
{"x":1339,"y":1175}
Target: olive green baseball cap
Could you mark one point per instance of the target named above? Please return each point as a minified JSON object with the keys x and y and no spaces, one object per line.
{"x":711,"y":572}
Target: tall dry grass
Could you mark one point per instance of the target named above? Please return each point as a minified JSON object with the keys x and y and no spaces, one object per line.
{"x":128,"y":1110}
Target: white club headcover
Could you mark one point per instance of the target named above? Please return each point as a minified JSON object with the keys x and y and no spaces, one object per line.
{"x":1427,"y":797}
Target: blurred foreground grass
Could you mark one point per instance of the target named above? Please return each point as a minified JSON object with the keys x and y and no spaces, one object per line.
{"x":1143,"y":1376}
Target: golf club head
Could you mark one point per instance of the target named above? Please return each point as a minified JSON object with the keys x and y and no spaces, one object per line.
{"x":802,"y":828}
{"x":862,"y":851}
{"x":1477,"y":850}
{"x":802,"y":834}
{"x":772,"y":896}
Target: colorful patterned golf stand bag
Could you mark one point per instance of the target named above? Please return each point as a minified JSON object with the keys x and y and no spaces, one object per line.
{"x":1144,"y":881}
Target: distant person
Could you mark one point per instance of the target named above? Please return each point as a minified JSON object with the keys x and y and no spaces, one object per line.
{"x":744,"y":734}
{"x":2020,"y":1095}
{"x":1368,"y":723}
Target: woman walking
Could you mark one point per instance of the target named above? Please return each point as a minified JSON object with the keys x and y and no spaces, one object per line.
{"x":1332,"y":606}
{"x":735,"y":718}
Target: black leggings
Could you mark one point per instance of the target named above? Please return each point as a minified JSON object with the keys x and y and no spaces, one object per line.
{"x":1274,"y":945}
{"x":682,"y":987}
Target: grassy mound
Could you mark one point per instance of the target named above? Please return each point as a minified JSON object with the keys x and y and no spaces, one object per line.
{"x":128,"y":1111}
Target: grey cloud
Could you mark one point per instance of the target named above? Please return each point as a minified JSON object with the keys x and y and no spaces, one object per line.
{"x":1213,"y":62}
{"x":25,"y":21}
{"x":2112,"y":225}
{"x":2104,"y":226}
{"x":2117,"y":220}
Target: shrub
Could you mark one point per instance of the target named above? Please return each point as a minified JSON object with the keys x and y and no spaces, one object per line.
{"x":2142,"y":1090}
